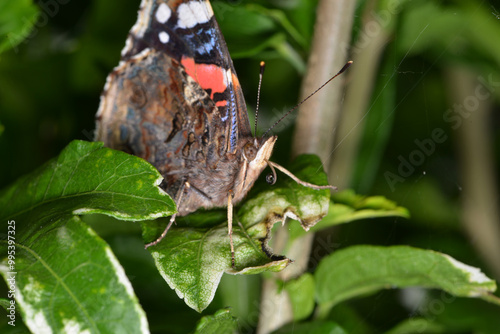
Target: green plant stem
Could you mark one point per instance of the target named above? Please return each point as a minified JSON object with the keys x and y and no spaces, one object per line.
{"x":366,"y":54}
{"x":480,"y":212}
{"x":314,"y":133}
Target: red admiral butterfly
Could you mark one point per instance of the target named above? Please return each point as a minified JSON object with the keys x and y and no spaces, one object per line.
{"x":175,"y":100}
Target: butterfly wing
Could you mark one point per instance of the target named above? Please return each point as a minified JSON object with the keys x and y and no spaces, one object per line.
{"x":188,"y":32}
{"x":175,"y":101}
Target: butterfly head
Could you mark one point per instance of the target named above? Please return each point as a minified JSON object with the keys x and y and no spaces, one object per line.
{"x":256,"y":155}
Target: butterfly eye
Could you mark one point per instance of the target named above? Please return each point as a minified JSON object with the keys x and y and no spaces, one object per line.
{"x":250,"y":151}
{"x":270,"y":179}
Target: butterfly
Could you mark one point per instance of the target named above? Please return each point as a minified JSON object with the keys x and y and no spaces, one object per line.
{"x":175,"y":101}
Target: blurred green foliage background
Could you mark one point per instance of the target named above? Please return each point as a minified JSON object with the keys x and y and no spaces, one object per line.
{"x":429,"y":58}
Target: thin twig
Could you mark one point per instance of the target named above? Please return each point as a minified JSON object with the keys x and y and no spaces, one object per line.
{"x":480,"y":212}
{"x":313,"y":134}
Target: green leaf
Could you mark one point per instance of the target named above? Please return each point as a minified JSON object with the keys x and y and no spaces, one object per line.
{"x":288,"y":53}
{"x":280,"y":17}
{"x":88,"y":178}
{"x":251,"y":30}
{"x":461,"y":315}
{"x":361,"y":270}
{"x":350,"y":206}
{"x":350,"y":319}
{"x":242,"y":22}
{"x":221,"y":322}
{"x":301,"y":293}
{"x":376,"y":203}
{"x":438,"y":312}
{"x":316,"y":327}
{"x":289,"y":199}
{"x":246,"y":31}
{"x":418,"y":325}
{"x":485,"y":28}
{"x":243,"y":293}
{"x":5,"y":303}
{"x":193,"y":259}
{"x":66,"y":277}
{"x":16,"y":21}
{"x":303,"y":16}
{"x":12,"y":322}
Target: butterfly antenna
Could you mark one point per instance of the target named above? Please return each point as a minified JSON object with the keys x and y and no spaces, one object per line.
{"x":262,"y":67}
{"x":342,"y":70}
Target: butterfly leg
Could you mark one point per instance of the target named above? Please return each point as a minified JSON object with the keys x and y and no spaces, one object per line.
{"x":230,"y":226}
{"x":172,"y":219}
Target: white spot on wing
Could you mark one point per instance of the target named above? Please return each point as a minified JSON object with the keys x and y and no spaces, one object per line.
{"x":192,"y":13}
{"x":163,"y":13}
{"x":228,"y":77}
{"x":164,"y":37}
